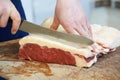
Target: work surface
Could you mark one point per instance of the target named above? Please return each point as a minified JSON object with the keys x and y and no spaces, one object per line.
{"x":107,"y":67}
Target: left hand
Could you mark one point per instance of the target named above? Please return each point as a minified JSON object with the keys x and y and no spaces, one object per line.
{"x":71,"y":16}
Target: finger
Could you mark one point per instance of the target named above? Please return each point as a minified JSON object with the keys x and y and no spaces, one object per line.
{"x":90,"y":30}
{"x":70,"y":28}
{"x":72,"y":31}
{"x":86,"y":28}
{"x":4,"y":18}
{"x":95,"y":47}
{"x":55,"y":24}
{"x":80,"y":29}
{"x":1,"y":9}
{"x":15,"y":16}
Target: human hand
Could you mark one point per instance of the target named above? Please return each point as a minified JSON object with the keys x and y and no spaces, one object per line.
{"x":8,"y":10}
{"x":71,"y":16}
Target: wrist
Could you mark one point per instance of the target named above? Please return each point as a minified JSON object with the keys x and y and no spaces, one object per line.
{"x":65,"y":2}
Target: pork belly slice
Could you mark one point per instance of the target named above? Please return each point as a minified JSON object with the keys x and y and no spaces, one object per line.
{"x":44,"y":49}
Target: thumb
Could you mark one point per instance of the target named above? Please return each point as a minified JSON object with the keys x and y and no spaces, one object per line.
{"x":55,"y":24}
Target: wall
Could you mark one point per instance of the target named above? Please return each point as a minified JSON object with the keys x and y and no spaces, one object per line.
{"x":37,"y":10}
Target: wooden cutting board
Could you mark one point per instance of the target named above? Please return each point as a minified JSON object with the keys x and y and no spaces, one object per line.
{"x":107,"y":67}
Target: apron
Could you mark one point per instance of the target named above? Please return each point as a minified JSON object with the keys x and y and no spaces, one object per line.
{"x":5,"y":33}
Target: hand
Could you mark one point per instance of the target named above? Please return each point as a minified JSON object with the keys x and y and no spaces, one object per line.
{"x":71,"y":16}
{"x":8,"y":10}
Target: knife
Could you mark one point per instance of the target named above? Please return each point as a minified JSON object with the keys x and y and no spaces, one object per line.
{"x":32,"y":28}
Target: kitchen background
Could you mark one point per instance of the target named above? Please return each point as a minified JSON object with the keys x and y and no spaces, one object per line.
{"x":103,"y":12}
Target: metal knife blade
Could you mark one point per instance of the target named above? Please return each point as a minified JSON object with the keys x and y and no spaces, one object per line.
{"x":38,"y":30}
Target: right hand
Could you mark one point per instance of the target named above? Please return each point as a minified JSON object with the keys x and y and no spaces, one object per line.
{"x":8,"y":10}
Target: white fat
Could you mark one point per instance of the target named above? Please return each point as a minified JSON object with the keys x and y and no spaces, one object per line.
{"x":81,"y":62}
{"x":42,"y":41}
{"x":115,"y":43}
{"x":108,"y":36}
{"x":89,"y":64}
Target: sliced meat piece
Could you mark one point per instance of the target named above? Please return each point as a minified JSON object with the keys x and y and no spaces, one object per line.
{"x":44,"y":49}
{"x":106,"y":38}
{"x":52,"y":50}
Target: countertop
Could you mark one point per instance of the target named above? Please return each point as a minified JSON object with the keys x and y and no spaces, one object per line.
{"x":107,"y":67}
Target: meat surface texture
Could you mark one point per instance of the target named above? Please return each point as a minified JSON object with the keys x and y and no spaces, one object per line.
{"x":51,"y":50}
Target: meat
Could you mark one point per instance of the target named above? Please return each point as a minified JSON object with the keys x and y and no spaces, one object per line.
{"x":45,"y":54}
{"x":51,"y":50}
{"x":44,"y":49}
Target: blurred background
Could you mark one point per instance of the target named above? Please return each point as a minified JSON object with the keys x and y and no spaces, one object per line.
{"x":103,"y":12}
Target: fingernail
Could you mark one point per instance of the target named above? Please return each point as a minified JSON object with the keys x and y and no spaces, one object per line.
{"x":13,"y":32}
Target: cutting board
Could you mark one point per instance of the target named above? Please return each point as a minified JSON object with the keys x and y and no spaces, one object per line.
{"x":107,"y":67}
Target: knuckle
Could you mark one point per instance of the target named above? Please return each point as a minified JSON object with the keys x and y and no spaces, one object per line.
{"x":2,"y":25}
{"x":15,"y":16}
{"x":17,"y":19}
{"x":4,"y":9}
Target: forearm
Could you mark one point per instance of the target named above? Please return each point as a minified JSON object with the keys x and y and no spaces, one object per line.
{"x":67,"y":1}
{"x":68,"y":4}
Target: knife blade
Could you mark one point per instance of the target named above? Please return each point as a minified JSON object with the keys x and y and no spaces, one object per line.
{"x":32,"y":28}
